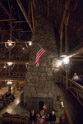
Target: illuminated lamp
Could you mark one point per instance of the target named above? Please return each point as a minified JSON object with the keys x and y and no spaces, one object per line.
{"x":30,"y":43}
{"x":9,"y":63}
{"x":9,"y":82}
{"x":10,"y":44}
{"x":66,"y":60}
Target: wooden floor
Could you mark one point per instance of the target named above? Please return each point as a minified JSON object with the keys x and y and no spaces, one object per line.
{"x":73,"y":108}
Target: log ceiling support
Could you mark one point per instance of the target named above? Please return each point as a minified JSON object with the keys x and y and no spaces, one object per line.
{"x":29,"y":9}
{"x":32,"y":16}
{"x":15,"y":62}
{"x":20,"y":30}
{"x":24,"y":13}
{"x":6,"y":20}
{"x":77,"y":60}
{"x":5,"y":10}
{"x":12,"y":79}
{"x":67,"y":75}
{"x":66,"y":30}
{"x":65,"y":19}
{"x":77,"y":52}
{"x":77,"y":47}
{"x":61,"y":39}
{"x":34,"y":4}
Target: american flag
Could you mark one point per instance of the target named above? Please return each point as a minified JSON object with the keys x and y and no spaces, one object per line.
{"x":39,"y":54}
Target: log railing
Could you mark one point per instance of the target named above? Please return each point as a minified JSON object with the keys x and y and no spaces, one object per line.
{"x":13,"y":74}
{"x":75,"y":88}
{"x":14,"y":120}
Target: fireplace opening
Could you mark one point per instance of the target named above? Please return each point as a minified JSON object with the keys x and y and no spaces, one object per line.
{"x":37,"y":104}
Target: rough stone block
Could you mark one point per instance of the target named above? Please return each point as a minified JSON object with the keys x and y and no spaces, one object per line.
{"x":34,"y":94}
{"x":42,"y":79}
{"x":50,"y":73}
{"x":32,"y":89}
{"x":42,"y":95}
{"x":30,"y":84}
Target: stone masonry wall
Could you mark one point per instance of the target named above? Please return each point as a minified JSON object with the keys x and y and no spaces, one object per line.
{"x":40,"y":82}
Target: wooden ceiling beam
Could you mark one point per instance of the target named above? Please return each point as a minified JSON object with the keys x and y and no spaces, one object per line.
{"x":14,"y":62}
{"x":77,"y":47}
{"x":19,"y":22}
{"x":12,"y":79}
{"x":6,"y":20}
{"x":78,"y":56}
{"x":77,"y":60}
{"x":5,"y":10}
{"x":21,"y":42}
{"x":20,"y":30}
{"x":24,"y":13}
{"x":29,"y":8}
{"x":32,"y":16}
{"x":64,"y":21}
{"x":77,"y":52}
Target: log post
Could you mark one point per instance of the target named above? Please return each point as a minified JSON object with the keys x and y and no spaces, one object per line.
{"x":61,"y":39}
{"x":66,"y":70}
{"x":9,"y":88}
{"x":0,"y":84}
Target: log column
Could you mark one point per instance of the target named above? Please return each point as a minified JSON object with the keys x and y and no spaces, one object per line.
{"x":0,"y":84}
{"x":66,"y":70}
{"x":9,"y":87}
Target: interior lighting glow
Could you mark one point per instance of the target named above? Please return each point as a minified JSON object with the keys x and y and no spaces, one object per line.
{"x":66,"y":60}
{"x":9,"y":63}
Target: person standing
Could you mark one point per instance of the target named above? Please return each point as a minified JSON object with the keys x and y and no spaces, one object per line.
{"x":52,"y":117}
{"x":40,"y":117}
{"x":33,"y":117}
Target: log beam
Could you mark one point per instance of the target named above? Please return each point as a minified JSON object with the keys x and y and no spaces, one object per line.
{"x":12,"y":79}
{"x":6,"y":20}
{"x":77,"y":60}
{"x":5,"y":10}
{"x":15,"y":62}
{"x":24,"y":13}
{"x":64,"y":21}
{"x":32,"y":16}
{"x":20,"y":30}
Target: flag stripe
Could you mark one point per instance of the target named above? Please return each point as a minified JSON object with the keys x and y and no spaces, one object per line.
{"x":39,"y":54}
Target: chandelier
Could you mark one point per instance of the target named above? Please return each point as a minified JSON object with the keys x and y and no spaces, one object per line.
{"x":10,"y":44}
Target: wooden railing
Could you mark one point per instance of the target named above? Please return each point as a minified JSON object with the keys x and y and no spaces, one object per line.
{"x":75,"y":88}
{"x":14,"y":120}
{"x":16,"y":75}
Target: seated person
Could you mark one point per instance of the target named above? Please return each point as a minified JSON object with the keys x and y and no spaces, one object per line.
{"x":40,"y":117}
{"x":8,"y":94}
{"x":32,"y":117}
{"x":75,"y":77}
{"x":52,"y":117}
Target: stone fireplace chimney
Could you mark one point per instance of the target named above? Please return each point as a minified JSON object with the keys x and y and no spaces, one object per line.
{"x":40,"y":82}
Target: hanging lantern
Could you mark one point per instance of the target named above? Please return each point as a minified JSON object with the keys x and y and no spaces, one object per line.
{"x":10,"y":44}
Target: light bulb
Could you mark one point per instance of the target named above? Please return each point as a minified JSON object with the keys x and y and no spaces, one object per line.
{"x":10,"y":63}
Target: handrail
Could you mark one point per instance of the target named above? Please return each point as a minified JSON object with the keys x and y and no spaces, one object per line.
{"x":75,"y":83}
{"x":74,"y":88}
{"x":78,"y":90}
{"x":19,"y":120}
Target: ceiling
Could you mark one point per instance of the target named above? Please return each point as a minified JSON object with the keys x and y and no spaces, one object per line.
{"x":17,"y":24}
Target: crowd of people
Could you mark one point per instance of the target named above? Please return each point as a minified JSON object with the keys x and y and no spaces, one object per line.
{"x":5,"y":99}
{"x":41,"y":117}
